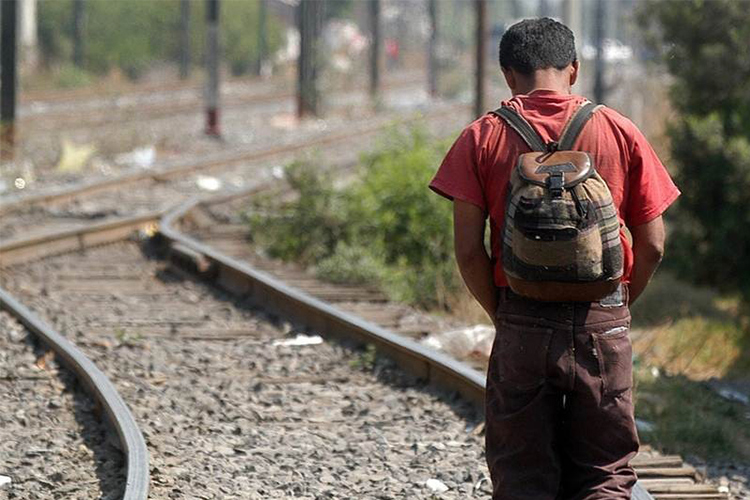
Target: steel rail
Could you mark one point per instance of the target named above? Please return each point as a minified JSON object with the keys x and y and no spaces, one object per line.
{"x":75,"y":239}
{"x":288,"y":302}
{"x":102,"y":391}
{"x":58,"y":195}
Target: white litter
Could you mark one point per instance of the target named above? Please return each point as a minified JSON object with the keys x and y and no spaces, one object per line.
{"x":471,"y":342}
{"x":140,"y":157}
{"x":436,"y":486}
{"x":4,"y":480}
{"x":278,"y":172}
{"x":644,"y":425}
{"x":300,"y":340}
{"x":733,"y":395}
{"x":208,"y":183}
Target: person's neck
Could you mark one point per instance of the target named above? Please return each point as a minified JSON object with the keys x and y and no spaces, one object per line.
{"x":528,"y":89}
{"x":542,"y":80}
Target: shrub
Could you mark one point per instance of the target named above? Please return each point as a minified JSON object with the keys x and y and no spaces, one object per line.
{"x":387,"y":228}
{"x":131,"y":36}
{"x":704,"y":46}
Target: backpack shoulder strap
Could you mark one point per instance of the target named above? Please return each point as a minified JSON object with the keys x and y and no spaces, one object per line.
{"x":522,"y":127}
{"x":575,"y":125}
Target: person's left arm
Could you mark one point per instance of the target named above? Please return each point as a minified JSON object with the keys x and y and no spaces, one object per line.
{"x":473,"y":262}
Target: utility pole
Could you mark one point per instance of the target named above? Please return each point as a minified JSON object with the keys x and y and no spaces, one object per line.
{"x":28,"y":33}
{"x":262,"y":36}
{"x":310,"y":19}
{"x":79,"y":19}
{"x":481,"y":47}
{"x":212,"y":68}
{"x":375,"y":49}
{"x":184,"y":39}
{"x":8,"y":77}
{"x":572,"y":19}
{"x":432,"y":62}
{"x":599,"y":62}
{"x":544,"y":8}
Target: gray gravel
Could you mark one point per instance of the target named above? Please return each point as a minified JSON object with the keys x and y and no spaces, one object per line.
{"x":52,"y":442}
{"x":228,"y":414}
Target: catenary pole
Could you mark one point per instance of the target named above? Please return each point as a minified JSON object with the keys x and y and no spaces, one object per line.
{"x":432,"y":62}
{"x":8,"y":77}
{"x":375,"y":49}
{"x":481,"y":51}
{"x":599,"y":62}
{"x":572,"y":18}
{"x":79,"y":15}
{"x":212,"y":68}
{"x":310,"y":17}
{"x":262,"y":36}
{"x":184,"y":39}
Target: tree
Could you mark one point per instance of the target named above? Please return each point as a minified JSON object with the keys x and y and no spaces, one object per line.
{"x":704,"y":45}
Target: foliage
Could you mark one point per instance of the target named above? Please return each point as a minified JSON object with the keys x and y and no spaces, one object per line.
{"x":689,"y":418}
{"x":68,"y":76}
{"x":131,"y":36}
{"x":704,"y":46}
{"x":387,"y":228}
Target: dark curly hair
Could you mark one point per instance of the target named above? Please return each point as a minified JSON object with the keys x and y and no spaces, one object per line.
{"x":535,"y":44}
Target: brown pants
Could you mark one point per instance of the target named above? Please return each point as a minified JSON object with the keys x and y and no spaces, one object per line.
{"x":559,"y":404}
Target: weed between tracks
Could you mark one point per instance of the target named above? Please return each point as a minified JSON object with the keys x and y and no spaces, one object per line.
{"x":696,"y":338}
{"x":386,"y":228}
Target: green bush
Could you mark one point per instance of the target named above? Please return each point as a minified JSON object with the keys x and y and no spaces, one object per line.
{"x":386,"y":228}
{"x":68,"y":76}
{"x":710,"y":62}
{"x":133,"y":35}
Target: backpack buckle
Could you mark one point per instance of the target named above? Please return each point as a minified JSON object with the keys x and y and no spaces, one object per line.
{"x":556,"y":183}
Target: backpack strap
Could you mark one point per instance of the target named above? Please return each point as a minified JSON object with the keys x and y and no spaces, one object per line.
{"x":575,"y":125}
{"x":522,"y":127}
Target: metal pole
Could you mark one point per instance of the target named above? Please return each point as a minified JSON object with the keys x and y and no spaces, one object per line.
{"x":572,"y":18}
{"x":599,"y":63}
{"x":544,"y":8}
{"x":262,"y":36}
{"x":184,"y":39}
{"x":375,"y":49}
{"x":79,"y":13}
{"x":309,"y":18}
{"x":8,"y":77}
{"x":432,"y":63}
{"x":481,"y":46}
{"x":212,"y":67}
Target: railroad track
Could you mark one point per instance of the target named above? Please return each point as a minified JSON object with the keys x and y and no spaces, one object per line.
{"x":141,"y":294}
{"x":151,"y":192}
{"x":137,"y":106}
{"x":118,"y":302}
{"x":37,"y":395}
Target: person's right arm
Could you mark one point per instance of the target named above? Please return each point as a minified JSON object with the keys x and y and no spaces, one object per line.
{"x":648,"y":250}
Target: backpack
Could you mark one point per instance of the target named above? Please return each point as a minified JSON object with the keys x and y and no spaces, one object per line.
{"x":561,"y":236}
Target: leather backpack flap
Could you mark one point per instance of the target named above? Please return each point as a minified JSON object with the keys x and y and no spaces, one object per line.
{"x":536,"y":168}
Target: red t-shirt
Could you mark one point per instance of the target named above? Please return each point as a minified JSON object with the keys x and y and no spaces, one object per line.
{"x":477,"y":168}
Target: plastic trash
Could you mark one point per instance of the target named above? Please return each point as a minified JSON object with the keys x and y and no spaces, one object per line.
{"x":436,"y":486}
{"x":4,"y":480}
{"x":644,"y":425}
{"x":140,"y":157}
{"x":74,"y":157}
{"x":300,"y":340}
{"x":208,"y":183}
{"x":474,"y":342}
{"x":732,"y":395}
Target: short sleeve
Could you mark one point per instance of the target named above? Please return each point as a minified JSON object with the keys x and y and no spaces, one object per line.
{"x":458,"y":175}
{"x":651,"y":190}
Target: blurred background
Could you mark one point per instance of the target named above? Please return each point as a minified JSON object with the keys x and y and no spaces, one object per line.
{"x":98,"y":88}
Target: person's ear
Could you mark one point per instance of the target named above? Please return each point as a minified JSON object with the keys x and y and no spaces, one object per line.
{"x":574,"y":72}
{"x":510,"y":78}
